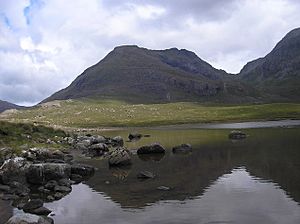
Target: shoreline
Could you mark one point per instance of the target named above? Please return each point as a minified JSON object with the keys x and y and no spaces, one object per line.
{"x":209,"y":125}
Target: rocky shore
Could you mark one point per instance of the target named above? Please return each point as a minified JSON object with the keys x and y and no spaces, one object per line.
{"x":40,"y":175}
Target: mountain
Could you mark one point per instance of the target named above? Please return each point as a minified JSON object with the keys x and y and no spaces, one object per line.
{"x":6,"y":106}
{"x":137,"y":74}
{"x":278,"y":73}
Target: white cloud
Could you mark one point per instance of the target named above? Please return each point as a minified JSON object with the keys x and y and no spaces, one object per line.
{"x":44,"y":45}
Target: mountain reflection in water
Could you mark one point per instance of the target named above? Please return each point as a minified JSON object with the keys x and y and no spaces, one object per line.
{"x":256,"y":180}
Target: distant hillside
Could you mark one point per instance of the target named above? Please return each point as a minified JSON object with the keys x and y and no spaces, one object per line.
{"x":6,"y":105}
{"x":278,"y":73}
{"x":137,"y":74}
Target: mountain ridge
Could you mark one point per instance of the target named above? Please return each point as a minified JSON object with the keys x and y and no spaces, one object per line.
{"x":139,"y":74}
{"x":4,"y":105}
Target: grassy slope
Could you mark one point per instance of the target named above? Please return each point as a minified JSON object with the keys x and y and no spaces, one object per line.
{"x":93,"y":113}
{"x":17,"y":135}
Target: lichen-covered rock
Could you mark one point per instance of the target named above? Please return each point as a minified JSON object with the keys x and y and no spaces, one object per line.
{"x":119,"y":157}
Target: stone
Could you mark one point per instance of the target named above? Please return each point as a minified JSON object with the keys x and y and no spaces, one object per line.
{"x":43,"y":172}
{"x":41,"y":211}
{"x":82,"y":170}
{"x":98,"y":139}
{"x":132,"y":136}
{"x":76,"y":178}
{"x":13,"y":170}
{"x":153,"y":148}
{"x":119,"y":157}
{"x":32,"y":205}
{"x":65,"y":182}
{"x":29,"y":219}
{"x":117,"y":141}
{"x":58,"y":195}
{"x":145,"y":175}
{"x":19,"y":189}
{"x":62,"y":189}
{"x":50,"y":185}
{"x":237,"y":135}
{"x":183,"y":148}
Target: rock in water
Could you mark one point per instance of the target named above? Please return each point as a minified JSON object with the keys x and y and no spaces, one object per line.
{"x":82,"y":170}
{"x":29,"y":219}
{"x":183,"y":148}
{"x":119,"y":157}
{"x":237,"y":135}
{"x":132,"y":136}
{"x":153,"y":148}
{"x":32,"y":205}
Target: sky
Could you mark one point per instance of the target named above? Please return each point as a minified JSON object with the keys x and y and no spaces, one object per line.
{"x":46,"y":44}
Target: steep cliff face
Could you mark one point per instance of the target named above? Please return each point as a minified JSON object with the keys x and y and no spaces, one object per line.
{"x":137,"y":74}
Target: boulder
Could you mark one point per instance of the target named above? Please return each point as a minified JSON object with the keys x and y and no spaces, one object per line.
{"x":119,"y":157}
{"x":183,"y":148}
{"x":133,"y":136}
{"x":97,"y":149}
{"x":153,"y":148}
{"x":145,"y":175}
{"x":117,"y":141}
{"x":13,"y":170}
{"x":29,"y":219}
{"x":98,"y":139}
{"x":43,"y":172}
{"x":32,"y":205}
{"x":76,"y":178}
{"x":41,"y":211}
{"x":50,"y":185}
{"x":237,"y":135}
{"x":19,"y":189}
{"x":82,"y":170}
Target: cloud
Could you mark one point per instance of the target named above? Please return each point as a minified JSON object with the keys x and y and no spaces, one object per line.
{"x":44,"y":45}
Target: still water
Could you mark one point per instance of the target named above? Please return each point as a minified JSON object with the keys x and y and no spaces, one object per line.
{"x":256,"y":180}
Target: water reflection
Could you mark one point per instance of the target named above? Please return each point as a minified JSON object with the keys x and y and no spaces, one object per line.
{"x":236,"y":197}
{"x":256,"y":180}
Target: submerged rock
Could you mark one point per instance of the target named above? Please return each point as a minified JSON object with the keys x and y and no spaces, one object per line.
{"x":119,"y":157}
{"x":237,"y":135}
{"x":153,"y":148}
{"x":183,"y":148}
